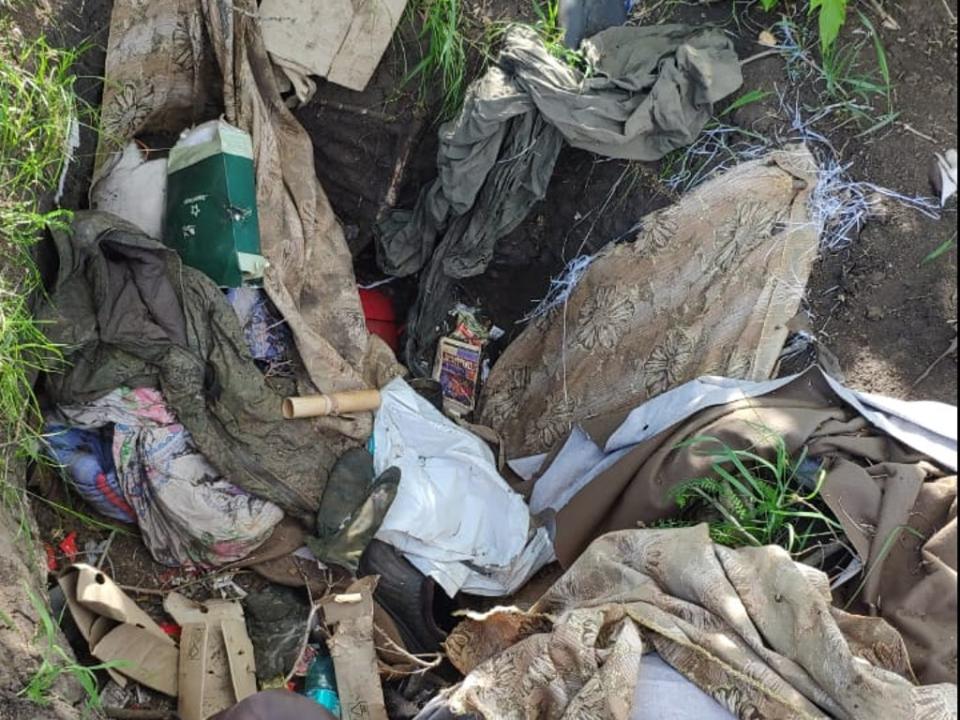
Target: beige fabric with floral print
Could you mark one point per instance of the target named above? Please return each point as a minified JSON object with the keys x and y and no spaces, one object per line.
{"x":163,"y":59}
{"x":750,"y":627}
{"x":707,"y":287}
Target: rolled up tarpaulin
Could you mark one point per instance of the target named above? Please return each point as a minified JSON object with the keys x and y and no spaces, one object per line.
{"x":334,"y":404}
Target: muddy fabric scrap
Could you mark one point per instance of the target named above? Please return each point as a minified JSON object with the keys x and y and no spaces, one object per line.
{"x":706,"y":288}
{"x":130,"y":314}
{"x":161,"y":76}
{"x":86,"y":461}
{"x":897,"y":506}
{"x":188,"y":514}
{"x":650,"y":91}
{"x":750,"y":627}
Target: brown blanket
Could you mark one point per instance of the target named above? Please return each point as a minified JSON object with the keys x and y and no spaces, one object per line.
{"x":750,"y":627}
{"x":875,"y":487}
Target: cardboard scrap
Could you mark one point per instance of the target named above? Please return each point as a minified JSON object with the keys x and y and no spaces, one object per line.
{"x":341,"y":40}
{"x":354,"y":654}
{"x":119,"y":631}
{"x":371,"y":30}
{"x":216,"y":668}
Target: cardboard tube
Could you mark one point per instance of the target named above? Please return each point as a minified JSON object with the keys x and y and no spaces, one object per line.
{"x":335,"y":404}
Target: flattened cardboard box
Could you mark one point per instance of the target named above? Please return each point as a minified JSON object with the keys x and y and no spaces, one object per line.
{"x":341,"y":40}
{"x":354,"y":653}
{"x":118,"y":631}
{"x":216,"y":668}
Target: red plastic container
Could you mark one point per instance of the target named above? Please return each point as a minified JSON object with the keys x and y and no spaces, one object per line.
{"x":381,"y":318}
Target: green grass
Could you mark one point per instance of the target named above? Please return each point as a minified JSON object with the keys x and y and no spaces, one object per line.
{"x":548,"y":26}
{"x":748,"y":98}
{"x":861,"y":89}
{"x":749,"y":500}
{"x":853,"y":78}
{"x":446,"y":40}
{"x":445,"y":59}
{"x":941,"y":250}
{"x":38,"y":108}
{"x":57,"y":662}
{"x":881,"y":557}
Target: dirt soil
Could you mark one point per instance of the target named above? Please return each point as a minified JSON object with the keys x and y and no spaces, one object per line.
{"x":884,"y":312}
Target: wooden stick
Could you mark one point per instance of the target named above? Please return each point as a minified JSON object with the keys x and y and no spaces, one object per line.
{"x":949,"y":351}
{"x":910,"y":129}
{"x":953,"y":18}
{"x":887,"y":18}
{"x":760,"y":56}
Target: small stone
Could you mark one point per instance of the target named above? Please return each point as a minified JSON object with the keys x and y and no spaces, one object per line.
{"x":875,"y":312}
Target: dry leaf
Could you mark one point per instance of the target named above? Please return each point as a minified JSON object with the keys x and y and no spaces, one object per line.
{"x":768,"y":38}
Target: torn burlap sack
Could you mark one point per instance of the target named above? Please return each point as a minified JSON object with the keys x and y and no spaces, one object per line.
{"x":173,"y":63}
{"x":706,"y":288}
{"x":649,"y":91}
{"x":897,"y":506}
{"x":750,"y":627}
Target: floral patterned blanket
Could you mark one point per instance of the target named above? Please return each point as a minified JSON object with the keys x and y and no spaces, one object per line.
{"x":750,"y":627}
{"x":706,"y":288}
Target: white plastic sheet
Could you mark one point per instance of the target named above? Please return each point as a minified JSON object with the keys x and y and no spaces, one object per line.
{"x":454,"y":517}
{"x":928,"y":427}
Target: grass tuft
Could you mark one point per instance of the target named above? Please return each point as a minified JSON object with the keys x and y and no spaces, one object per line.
{"x":38,"y":115}
{"x":445,"y":60}
{"x":856,"y":88}
{"x":446,"y":32}
{"x":749,"y":500}
{"x":57,"y":662}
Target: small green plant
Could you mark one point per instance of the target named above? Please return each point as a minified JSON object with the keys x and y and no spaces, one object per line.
{"x":57,"y":662}
{"x":858,"y":91}
{"x":832,"y":16}
{"x":853,"y":80}
{"x":548,"y":26}
{"x":445,"y":59}
{"x":942,"y":249}
{"x":750,"y":500}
